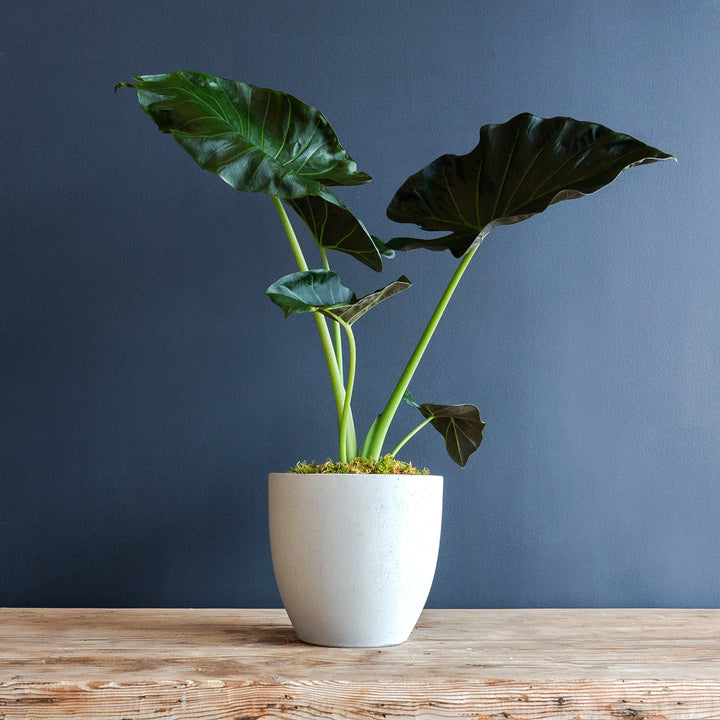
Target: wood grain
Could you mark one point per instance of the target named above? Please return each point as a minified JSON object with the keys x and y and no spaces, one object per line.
{"x":243,"y":664}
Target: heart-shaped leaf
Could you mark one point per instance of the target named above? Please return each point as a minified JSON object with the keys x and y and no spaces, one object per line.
{"x":322,"y":291}
{"x":334,"y":227}
{"x":517,"y":170}
{"x":257,"y":140}
{"x":460,"y":425}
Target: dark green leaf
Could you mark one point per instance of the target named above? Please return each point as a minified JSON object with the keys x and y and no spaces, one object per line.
{"x":257,"y":140}
{"x":383,"y":249}
{"x":460,"y":425}
{"x":310,"y":290}
{"x":367,"y":302}
{"x":517,"y":170}
{"x":322,"y":291}
{"x":334,"y":227}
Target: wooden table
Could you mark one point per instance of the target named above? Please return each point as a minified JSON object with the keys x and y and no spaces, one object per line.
{"x":247,"y":664}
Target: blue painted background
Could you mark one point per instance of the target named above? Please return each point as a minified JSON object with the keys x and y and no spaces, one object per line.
{"x":147,"y":385}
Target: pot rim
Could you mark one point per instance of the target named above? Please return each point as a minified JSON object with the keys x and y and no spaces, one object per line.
{"x":409,"y":476}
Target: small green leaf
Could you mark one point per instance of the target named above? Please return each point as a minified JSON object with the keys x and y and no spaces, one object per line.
{"x":517,"y":170}
{"x":310,"y":290}
{"x":255,"y":139}
{"x":410,"y":400}
{"x":460,"y":425}
{"x":322,"y":291}
{"x":334,"y":227}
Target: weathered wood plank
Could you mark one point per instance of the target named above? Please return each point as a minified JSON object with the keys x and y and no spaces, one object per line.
{"x":242,"y":664}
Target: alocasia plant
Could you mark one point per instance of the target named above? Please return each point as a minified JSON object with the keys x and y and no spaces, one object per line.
{"x":260,"y":140}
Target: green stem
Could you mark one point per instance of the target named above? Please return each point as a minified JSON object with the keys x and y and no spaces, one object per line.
{"x":325,"y":339}
{"x":347,"y":437}
{"x":290,"y":232}
{"x":376,"y":436}
{"x":347,"y":452}
{"x":333,"y":352}
{"x":411,"y":434}
{"x":337,"y":331}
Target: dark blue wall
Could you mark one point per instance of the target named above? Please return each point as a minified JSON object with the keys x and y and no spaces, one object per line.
{"x":147,"y":385}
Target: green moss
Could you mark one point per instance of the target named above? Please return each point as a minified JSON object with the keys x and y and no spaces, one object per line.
{"x":386,"y":465}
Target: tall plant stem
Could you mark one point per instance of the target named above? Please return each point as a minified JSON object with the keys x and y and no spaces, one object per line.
{"x":376,"y":436}
{"x":347,"y":441}
{"x":290,"y":232}
{"x":325,"y":339}
{"x":346,"y":423}
{"x":346,"y":453}
{"x":337,"y":331}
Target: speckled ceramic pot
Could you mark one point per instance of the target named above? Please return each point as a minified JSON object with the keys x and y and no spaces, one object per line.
{"x":354,"y":555}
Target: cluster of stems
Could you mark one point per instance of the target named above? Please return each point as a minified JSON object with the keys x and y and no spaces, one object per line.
{"x":332,"y":345}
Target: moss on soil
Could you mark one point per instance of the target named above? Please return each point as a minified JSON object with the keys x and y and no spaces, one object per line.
{"x":386,"y":465}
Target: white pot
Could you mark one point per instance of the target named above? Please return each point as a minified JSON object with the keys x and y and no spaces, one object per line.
{"x":354,"y":555}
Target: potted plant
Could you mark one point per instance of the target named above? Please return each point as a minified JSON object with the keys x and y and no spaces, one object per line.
{"x":354,"y":556}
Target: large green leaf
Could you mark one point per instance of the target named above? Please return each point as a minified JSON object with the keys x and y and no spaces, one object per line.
{"x":257,"y":140}
{"x":322,"y":291}
{"x":460,"y":425}
{"x":334,"y":227}
{"x":517,"y":170}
